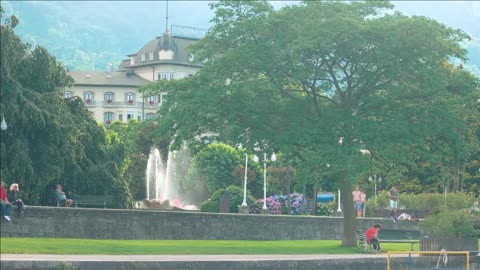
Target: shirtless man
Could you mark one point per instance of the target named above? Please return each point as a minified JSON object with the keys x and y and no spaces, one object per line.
{"x":357,"y":198}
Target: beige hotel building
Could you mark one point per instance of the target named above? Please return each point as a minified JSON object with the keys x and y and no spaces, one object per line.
{"x":112,"y":96}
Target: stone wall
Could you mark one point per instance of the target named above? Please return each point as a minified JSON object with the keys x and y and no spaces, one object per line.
{"x":245,"y":264}
{"x":157,"y":224}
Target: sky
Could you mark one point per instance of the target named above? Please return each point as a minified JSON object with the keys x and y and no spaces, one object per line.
{"x":126,"y":26}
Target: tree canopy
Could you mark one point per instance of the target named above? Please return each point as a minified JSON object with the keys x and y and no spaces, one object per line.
{"x":323,"y":80}
{"x":50,"y":139}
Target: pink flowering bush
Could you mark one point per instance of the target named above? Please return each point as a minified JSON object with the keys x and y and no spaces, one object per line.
{"x":277,"y":205}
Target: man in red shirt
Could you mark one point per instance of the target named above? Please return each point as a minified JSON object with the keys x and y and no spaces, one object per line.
{"x":5,"y":205}
{"x":372,"y":236}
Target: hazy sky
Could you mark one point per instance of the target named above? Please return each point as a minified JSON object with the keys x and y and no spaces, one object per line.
{"x":127,"y":25}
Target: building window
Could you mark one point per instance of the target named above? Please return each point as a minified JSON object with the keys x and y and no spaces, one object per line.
{"x":68,"y":94}
{"x":149,"y":116}
{"x":129,"y":115}
{"x":143,"y":57}
{"x":120,"y":117}
{"x":109,"y":97}
{"x":108,"y":118}
{"x":163,"y":98}
{"x":88,"y":97}
{"x":151,"y":100}
{"x":165,"y":76}
{"x":129,"y":98}
{"x":151,"y":56}
{"x":132,"y":60}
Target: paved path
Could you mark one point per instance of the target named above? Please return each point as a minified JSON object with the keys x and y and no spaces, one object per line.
{"x":182,"y":258}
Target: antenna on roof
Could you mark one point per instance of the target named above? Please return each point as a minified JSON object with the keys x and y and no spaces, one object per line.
{"x":166,"y":19}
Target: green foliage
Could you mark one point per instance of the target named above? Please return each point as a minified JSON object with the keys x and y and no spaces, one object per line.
{"x":326,"y":209}
{"x":121,"y":195}
{"x":236,"y":199}
{"x":434,"y":202}
{"x":216,"y":164}
{"x":322,"y":80}
{"x":453,"y":223}
{"x":212,"y":204}
{"x":49,"y":139}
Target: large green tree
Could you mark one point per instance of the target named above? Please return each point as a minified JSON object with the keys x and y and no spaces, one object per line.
{"x":50,"y":139}
{"x":322,"y":81}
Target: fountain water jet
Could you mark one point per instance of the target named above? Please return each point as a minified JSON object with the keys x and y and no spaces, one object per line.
{"x":159,"y":177}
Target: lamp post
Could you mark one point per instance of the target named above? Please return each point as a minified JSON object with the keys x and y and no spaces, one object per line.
{"x":375,"y":178}
{"x":244,"y":203}
{"x":272,"y":158}
{"x":243,"y":209}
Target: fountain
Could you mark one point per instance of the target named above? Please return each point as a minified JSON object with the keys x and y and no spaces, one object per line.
{"x":161,"y":191}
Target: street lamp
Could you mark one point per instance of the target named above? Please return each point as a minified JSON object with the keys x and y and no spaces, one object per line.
{"x":3,"y":125}
{"x":272,"y":158}
{"x":244,"y":203}
{"x":375,"y":178}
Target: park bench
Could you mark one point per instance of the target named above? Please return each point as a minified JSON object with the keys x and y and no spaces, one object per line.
{"x":93,"y":201}
{"x":390,"y":236}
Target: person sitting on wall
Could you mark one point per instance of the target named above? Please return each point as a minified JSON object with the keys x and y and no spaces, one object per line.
{"x":6,"y":207}
{"x":372,"y":236}
{"x":14,"y":198}
{"x":62,"y":198}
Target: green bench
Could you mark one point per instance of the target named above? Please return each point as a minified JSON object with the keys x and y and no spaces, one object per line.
{"x":399,"y":236}
{"x":390,"y":236}
{"x":93,"y":201}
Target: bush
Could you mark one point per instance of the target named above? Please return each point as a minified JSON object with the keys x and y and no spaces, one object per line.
{"x":453,"y":223}
{"x":325,"y":209}
{"x":277,"y":204}
{"x":212,"y":204}
{"x":236,"y":199}
{"x":434,"y":202}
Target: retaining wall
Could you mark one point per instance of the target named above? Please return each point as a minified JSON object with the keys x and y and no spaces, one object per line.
{"x":155,"y":224}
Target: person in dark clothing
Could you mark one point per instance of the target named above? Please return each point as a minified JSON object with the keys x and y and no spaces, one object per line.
{"x":14,"y":198}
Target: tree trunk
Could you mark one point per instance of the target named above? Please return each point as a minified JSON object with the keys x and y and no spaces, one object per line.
{"x":314,"y":202}
{"x":346,"y":189}
{"x":457,"y":172}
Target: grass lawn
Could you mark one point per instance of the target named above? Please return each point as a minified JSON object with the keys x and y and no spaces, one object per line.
{"x":177,"y":247}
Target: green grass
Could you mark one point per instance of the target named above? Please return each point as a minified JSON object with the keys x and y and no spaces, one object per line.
{"x":177,"y":247}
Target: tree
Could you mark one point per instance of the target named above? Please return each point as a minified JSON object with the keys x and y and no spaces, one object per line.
{"x":322,"y":81}
{"x":216,"y":164}
{"x":50,"y":139}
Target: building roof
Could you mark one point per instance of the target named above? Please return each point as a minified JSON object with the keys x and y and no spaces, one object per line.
{"x":114,"y":78}
{"x":124,"y":64}
{"x":176,"y":43}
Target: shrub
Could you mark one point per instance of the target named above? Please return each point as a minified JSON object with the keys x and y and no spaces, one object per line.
{"x":277,"y":204}
{"x":212,"y":204}
{"x":453,"y":223}
{"x":434,"y":202}
{"x":325,"y":209}
{"x":236,"y":199}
